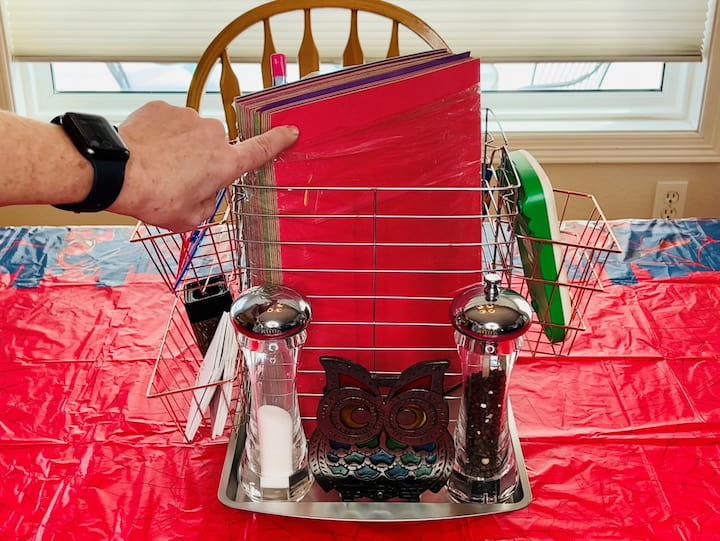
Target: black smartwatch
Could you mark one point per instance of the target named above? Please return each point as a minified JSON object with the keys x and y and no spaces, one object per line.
{"x":98,"y":141}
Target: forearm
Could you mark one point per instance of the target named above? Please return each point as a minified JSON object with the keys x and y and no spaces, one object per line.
{"x":178,"y":162}
{"x":39,"y":164}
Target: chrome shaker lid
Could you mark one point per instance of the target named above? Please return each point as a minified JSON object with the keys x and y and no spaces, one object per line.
{"x":270,"y":311}
{"x":490,"y":312}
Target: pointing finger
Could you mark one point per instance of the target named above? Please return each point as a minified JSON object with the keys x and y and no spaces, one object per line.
{"x":258,"y":150}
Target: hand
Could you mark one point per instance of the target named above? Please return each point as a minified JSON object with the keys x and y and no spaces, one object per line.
{"x":179,"y":161}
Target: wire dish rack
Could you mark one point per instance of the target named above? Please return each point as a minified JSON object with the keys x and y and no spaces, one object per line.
{"x":586,"y":243}
{"x":187,"y":262}
{"x":380,"y":291}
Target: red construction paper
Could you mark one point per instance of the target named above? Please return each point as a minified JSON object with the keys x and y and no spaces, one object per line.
{"x":375,"y":257}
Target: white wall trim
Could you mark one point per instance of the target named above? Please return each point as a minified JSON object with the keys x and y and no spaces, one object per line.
{"x":621,"y":147}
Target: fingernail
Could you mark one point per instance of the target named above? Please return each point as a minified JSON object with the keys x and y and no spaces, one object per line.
{"x":294,"y":130}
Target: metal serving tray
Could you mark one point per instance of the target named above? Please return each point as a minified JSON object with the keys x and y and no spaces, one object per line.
{"x":318,"y":504}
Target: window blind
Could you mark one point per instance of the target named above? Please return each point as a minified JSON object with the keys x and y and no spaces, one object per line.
{"x":496,"y":31}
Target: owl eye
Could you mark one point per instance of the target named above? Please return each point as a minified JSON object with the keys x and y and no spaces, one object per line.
{"x":411,"y":417}
{"x":350,"y":415}
{"x":416,"y":416}
{"x":355,"y":415}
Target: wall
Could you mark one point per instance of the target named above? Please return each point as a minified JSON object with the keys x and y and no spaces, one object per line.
{"x":46,"y":215}
{"x":623,"y":190}
{"x":628,"y":190}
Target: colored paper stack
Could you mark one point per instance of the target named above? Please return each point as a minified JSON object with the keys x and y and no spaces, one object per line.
{"x":375,"y":213}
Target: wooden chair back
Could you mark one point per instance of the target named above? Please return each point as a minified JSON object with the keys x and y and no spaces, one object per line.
{"x":308,"y":56}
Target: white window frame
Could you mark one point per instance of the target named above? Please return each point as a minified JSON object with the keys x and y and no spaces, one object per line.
{"x":672,"y":125}
{"x":675,"y":107}
{"x":36,"y":97}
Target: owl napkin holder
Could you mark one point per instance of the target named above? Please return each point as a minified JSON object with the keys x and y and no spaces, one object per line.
{"x":382,"y":437}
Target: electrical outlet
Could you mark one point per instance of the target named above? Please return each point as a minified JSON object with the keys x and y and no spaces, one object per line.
{"x":670,"y":199}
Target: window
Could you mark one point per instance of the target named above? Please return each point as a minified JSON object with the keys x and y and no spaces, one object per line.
{"x":529,"y":77}
{"x":615,"y":96}
{"x":524,"y":96}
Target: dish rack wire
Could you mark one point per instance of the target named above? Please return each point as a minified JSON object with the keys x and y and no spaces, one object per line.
{"x":229,"y":244}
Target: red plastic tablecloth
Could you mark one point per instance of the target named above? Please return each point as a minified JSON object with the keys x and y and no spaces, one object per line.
{"x":621,"y":440}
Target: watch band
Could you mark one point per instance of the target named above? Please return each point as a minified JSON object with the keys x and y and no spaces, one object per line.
{"x":97,"y":140}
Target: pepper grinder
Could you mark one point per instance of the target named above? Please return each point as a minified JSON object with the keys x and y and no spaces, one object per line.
{"x":270,"y":321}
{"x":489,"y":324}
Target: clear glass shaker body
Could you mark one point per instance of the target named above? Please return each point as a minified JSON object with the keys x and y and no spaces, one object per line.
{"x":271,"y":322}
{"x":485,"y":469}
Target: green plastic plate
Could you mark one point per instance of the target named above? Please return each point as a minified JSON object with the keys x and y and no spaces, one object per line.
{"x":542,"y":259}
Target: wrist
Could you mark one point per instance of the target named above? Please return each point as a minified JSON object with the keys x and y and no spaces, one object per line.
{"x":73,"y":174}
{"x":129,"y":202}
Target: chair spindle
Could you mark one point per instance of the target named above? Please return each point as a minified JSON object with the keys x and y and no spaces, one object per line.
{"x":308,"y":56}
{"x":394,"y":47}
{"x":268,"y":51}
{"x":229,"y":89}
{"x":353,"y":53}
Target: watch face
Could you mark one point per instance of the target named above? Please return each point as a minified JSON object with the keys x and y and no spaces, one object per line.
{"x":99,"y":136}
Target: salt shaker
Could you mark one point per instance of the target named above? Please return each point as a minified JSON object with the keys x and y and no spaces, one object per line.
{"x":489,"y":324}
{"x":270,"y":321}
